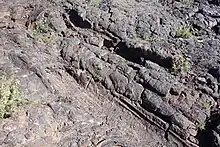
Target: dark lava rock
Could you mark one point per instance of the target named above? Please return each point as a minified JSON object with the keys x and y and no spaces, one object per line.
{"x":112,"y":72}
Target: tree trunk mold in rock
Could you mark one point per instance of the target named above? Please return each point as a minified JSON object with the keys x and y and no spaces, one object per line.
{"x":112,"y":72}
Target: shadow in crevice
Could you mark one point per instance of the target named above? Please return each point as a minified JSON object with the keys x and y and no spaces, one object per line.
{"x":77,"y":20}
{"x":139,"y":55}
{"x":109,"y":43}
{"x":205,"y":138}
{"x":216,"y":28}
{"x":214,"y":2}
{"x":208,"y":137}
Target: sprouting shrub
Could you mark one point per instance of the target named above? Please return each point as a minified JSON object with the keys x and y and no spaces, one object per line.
{"x":98,"y":2}
{"x":10,"y":96}
{"x":151,"y":39}
{"x":207,"y":105}
{"x":43,"y":33}
{"x":181,"y":66}
{"x":201,"y":126}
{"x":39,"y":28}
{"x":184,"y":32}
{"x":187,"y":2}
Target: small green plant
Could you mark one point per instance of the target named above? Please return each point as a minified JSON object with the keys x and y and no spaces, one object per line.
{"x":10,"y":96}
{"x":187,"y":2}
{"x":39,"y":28}
{"x":201,"y":126}
{"x":184,"y":32}
{"x":151,"y":39}
{"x":42,"y":33}
{"x":207,"y":105}
{"x":98,"y":2}
{"x":181,"y":66}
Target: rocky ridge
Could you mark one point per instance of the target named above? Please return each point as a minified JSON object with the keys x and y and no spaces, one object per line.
{"x":153,"y":64}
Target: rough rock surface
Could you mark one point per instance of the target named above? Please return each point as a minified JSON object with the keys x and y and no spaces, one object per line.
{"x":112,"y":72}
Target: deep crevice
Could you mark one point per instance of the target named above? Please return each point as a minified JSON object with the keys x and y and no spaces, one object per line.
{"x":207,"y":137}
{"x":216,"y":29}
{"x":215,"y":72}
{"x":139,"y":55}
{"x":77,"y":20}
{"x":109,"y":43}
{"x":214,"y":2}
